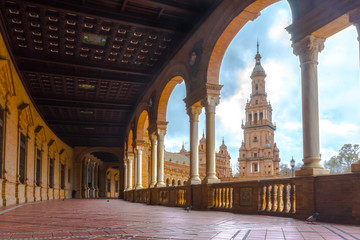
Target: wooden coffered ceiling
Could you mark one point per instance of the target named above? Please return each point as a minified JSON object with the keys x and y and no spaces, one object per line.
{"x":86,"y":63}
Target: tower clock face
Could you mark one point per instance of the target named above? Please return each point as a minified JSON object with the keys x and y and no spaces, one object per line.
{"x":192,"y":58}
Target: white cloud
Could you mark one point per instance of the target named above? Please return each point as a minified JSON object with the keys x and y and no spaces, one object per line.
{"x":292,"y":126}
{"x":277,"y":32}
{"x":327,"y":153}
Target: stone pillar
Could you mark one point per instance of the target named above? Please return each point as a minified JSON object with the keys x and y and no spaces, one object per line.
{"x":160,"y":159}
{"x":96,"y":182}
{"x":210,"y":104}
{"x":307,"y":49}
{"x":135,"y":168}
{"x":93,"y":179}
{"x":355,"y":20}
{"x":153,"y":160}
{"x":126,"y":175}
{"x":139,"y":167}
{"x":130,"y":174}
{"x":194,"y":112}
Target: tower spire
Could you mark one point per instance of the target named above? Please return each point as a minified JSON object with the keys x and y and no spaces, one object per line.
{"x":257,"y":56}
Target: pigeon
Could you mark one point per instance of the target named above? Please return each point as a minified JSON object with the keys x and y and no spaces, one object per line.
{"x":188,"y":208}
{"x":312,"y":218}
{"x":108,"y":200}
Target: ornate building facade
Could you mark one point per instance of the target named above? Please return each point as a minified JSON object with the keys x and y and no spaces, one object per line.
{"x":258,"y":154}
{"x":177,"y":165}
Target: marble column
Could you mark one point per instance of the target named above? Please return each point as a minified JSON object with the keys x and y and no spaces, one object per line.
{"x":307,"y":49}
{"x":93,"y":180}
{"x":130,"y":174}
{"x":96,"y":181}
{"x":153,"y":160}
{"x":160,"y":158}
{"x":194,"y":112}
{"x":139,"y":150}
{"x":210,"y":104}
{"x":355,"y":20}
{"x":126,"y":176}
{"x":135,"y":168}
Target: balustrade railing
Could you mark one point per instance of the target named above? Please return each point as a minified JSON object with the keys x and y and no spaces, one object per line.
{"x":277,"y":196}
{"x":266,"y":196}
{"x":222,"y":197}
{"x":180,"y":198}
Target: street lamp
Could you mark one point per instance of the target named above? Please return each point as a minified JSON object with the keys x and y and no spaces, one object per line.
{"x":292,"y":164}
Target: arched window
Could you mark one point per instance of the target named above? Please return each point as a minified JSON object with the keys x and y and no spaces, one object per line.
{"x":173,"y":182}
{"x":256,"y":87}
{"x":167,"y":182}
{"x":179,"y":182}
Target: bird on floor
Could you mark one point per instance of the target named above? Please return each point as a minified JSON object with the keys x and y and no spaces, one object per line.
{"x":312,"y":218}
{"x":188,"y":208}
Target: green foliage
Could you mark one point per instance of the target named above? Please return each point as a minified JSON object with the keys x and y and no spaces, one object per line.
{"x":341,"y":163}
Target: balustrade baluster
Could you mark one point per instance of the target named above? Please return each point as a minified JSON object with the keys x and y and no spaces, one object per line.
{"x":216,"y":198}
{"x":269,"y":202}
{"x":274,"y":198}
{"x":292,"y":199}
{"x":227,"y":198}
{"x":263,"y":198}
{"x":280,"y":198}
{"x":224,"y":197}
{"x":220,"y":197}
{"x":231,"y":198}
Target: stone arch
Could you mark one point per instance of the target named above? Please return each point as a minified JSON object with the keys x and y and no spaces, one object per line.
{"x":130,"y":141}
{"x":241,"y":17}
{"x":142,"y":125}
{"x":83,"y":152}
{"x":164,"y":97}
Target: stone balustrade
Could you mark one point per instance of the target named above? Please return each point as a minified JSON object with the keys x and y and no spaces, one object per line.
{"x":335,"y":197}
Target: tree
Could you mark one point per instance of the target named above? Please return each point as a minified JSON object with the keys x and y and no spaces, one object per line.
{"x":341,"y":163}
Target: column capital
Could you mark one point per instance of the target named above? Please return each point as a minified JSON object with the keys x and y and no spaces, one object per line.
{"x":153,"y":138}
{"x":139,"y":148}
{"x":194,"y":111}
{"x":308,"y":48}
{"x":161,"y":133}
{"x":210,"y":103}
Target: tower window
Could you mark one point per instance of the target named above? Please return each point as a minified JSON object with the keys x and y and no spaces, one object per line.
{"x":256,"y":87}
{"x":261,"y":116}
{"x":255,"y":167}
{"x":243,"y":155}
{"x":255,"y":154}
{"x":255,"y":139}
{"x":256,"y":102}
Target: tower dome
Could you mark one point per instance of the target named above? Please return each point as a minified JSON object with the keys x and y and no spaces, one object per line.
{"x":258,"y":69}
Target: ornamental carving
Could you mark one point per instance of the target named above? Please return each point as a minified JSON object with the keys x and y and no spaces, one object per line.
{"x":25,"y":117}
{"x":308,"y":48}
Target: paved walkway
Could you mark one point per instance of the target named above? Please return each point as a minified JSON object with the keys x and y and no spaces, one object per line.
{"x":117,"y":219}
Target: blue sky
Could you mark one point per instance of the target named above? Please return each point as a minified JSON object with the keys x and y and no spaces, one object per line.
{"x":339,"y":89}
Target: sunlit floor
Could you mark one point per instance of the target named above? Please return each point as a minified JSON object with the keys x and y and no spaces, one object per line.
{"x":117,"y":219}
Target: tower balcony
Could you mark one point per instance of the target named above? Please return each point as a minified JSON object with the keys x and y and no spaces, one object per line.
{"x":258,"y":123}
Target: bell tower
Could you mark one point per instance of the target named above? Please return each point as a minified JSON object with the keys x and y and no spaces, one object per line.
{"x":258,"y":154}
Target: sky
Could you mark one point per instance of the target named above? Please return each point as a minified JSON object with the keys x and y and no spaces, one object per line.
{"x":339,"y":90}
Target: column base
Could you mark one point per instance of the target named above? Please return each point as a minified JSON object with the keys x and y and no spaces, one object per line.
{"x":211,"y":179}
{"x":311,"y":172}
{"x":355,"y":167}
{"x":139,"y":187}
{"x":194,"y":181}
{"x":152,"y":185}
{"x":160,"y":184}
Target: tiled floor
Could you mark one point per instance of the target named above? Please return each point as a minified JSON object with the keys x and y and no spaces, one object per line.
{"x":117,"y":219}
